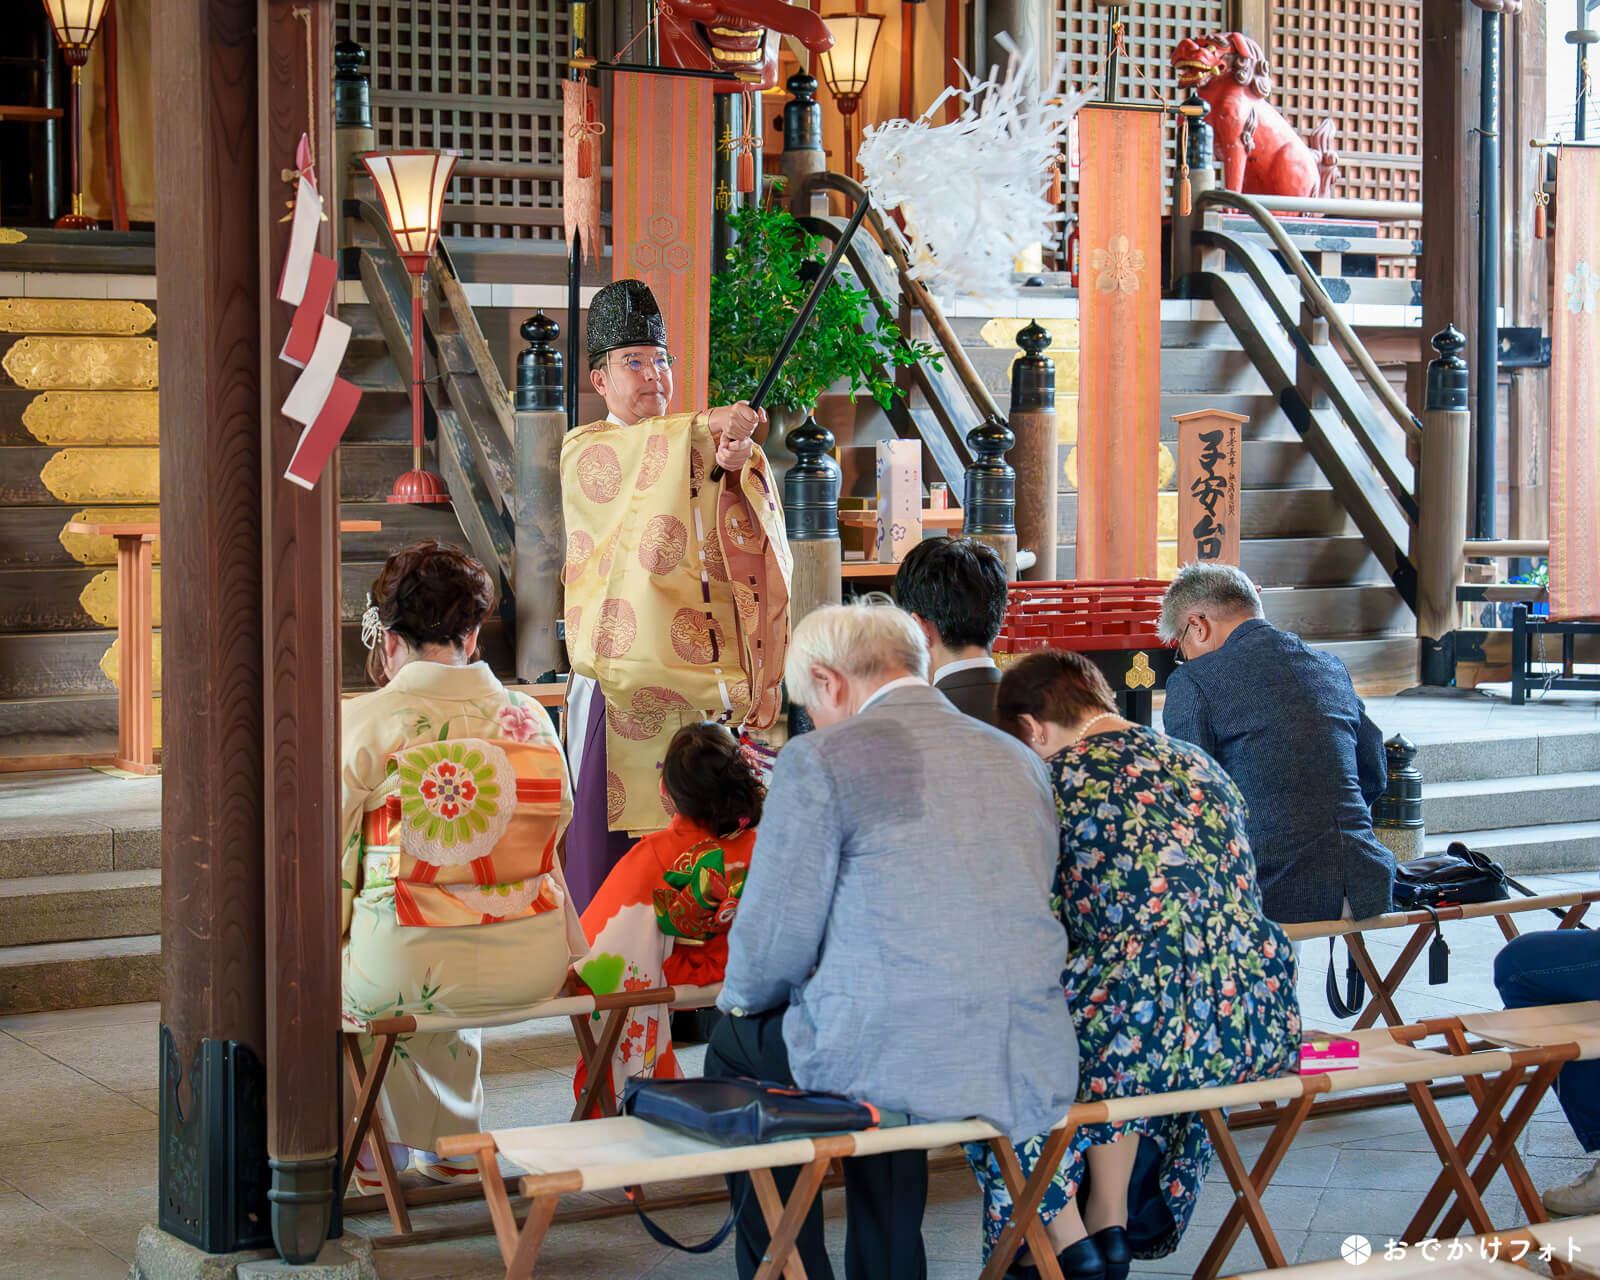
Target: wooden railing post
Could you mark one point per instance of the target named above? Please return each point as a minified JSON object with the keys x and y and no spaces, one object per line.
{"x":1201,"y":177}
{"x":1442,"y":500}
{"x":1033,"y":422}
{"x":1397,"y":815}
{"x":811,"y":519}
{"x":1313,"y":333}
{"x":540,"y":548}
{"x":991,"y":491}
{"x":352,"y":125}
{"x":802,"y":146}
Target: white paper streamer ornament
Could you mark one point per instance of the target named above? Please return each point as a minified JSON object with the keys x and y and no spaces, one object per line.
{"x":973,"y":192}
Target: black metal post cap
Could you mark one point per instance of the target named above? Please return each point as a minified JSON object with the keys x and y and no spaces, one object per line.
{"x":1447,"y":372}
{"x":801,"y":85}
{"x":540,"y":377}
{"x":348,"y":58}
{"x":1034,"y":338}
{"x":539,"y":330}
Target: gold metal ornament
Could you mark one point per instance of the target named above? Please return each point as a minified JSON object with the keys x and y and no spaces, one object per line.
{"x":93,"y":417}
{"x":103,"y":475}
{"x":10,"y":235}
{"x":111,"y":663}
{"x":99,"y":597}
{"x":97,"y":364}
{"x":102,"y":549}
{"x":1140,"y":676}
{"x":74,"y":315}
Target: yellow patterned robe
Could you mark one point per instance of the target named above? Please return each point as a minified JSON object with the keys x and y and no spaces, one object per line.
{"x":677,"y":598}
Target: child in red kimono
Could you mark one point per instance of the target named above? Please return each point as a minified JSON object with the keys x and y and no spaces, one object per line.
{"x":662,"y":916}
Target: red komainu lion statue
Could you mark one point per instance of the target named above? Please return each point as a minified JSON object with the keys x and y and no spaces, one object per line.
{"x":1261,"y":154}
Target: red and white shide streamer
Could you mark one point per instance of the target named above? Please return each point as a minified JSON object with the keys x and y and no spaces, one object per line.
{"x":320,"y":400}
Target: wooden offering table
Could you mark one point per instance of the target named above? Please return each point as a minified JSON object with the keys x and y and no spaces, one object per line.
{"x":1111,"y":622}
{"x":136,"y":632}
{"x":948,"y":520}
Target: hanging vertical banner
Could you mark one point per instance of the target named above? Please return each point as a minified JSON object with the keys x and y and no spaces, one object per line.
{"x":580,"y":164}
{"x":1575,"y":391}
{"x":661,"y":210}
{"x":1209,"y":451}
{"x":1119,"y":303}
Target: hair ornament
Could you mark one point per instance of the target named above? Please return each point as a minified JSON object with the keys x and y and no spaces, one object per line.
{"x":371,"y":628}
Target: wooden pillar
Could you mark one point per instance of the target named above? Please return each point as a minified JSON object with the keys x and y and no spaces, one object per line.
{"x":1033,"y":457}
{"x":1442,"y":499}
{"x":213,"y":1122}
{"x":802,"y":145}
{"x":541,"y":534}
{"x":300,"y":657}
{"x":1451,"y":55}
{"x":1526,"y":273}
{"x":1254,"y":19}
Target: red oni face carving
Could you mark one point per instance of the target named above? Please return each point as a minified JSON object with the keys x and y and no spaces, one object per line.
{"x":731,"y":35}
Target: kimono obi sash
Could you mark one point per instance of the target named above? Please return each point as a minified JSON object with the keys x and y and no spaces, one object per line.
{"x":701,"y":895}
{"x":470,"y":836}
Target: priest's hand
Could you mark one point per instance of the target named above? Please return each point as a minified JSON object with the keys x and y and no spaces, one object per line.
{"x":733,"y":454}
{"x":734,"y":421}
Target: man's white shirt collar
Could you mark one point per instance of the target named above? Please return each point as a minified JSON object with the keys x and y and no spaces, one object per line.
{"x":961,"y":664}
{"x":882,"y":689}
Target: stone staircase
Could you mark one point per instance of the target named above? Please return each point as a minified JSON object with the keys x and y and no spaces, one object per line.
{"x":1530,"y":801}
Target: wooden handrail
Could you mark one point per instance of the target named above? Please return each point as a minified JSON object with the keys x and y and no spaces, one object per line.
{"x":517,"y":169}
{"x":1365,"y":210}
{"x":916,"y":293}
{"x":1315,"y":296}
{"x":1492,"y":548}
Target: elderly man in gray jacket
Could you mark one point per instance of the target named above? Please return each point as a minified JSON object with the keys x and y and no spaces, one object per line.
{"x":894,"y":941}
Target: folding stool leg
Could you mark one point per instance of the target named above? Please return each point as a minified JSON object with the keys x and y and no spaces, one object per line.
{"x":1502,"y":1150}
{"x":782,"y":1236}
{"x":1025,"y":1208}
{"x":1508,"y":926}
{"x":596,"y":1063}
{"x":1044,"y":1256}
{"x":771,"y":1203}
{"x":541,"y":1209}
{"x":1383,"y":989}
{"x":1248,"y":1186}
{"x":377,"y":1137}
{"x":368,"y":1085}
{"x":1574,"y":916}
{"x":1454,"y":1155}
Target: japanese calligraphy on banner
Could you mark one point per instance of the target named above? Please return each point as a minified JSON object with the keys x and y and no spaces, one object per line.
{"x":1209,"y":452}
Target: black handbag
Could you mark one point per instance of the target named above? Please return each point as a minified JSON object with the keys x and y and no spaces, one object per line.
{"x":1450,"y":879}
{"x":734,"y":1113}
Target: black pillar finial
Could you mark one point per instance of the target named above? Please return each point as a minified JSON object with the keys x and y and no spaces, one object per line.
{"x":1447,"y":373}
{"x":1200,"y":136}
{"x":1400,"y":805}
{"x":540,"y":378}
{"x":1033,"y":376}
{"x":991,"y":491}
{"x":811,"y":486}
{"x":802,"y":115}
{"x":352,"y":103}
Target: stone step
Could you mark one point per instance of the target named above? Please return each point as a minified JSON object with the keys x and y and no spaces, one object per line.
{"x":1554,"y":846}
{"x":1509,"y":756}
{"x":1264,"y":513}
{"x":73,"y":845}
{"x":75,"y":975}
{"x":72,"y":908}
{"x":1495,"y":804}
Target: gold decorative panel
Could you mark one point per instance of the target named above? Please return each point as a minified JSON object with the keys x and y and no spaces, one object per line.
{"x":99,"y":597}
{"x":111,"y":664}
{"x":93,"y":417}
{"x":10,"y":235}
{"x":104,"y":475}
{"x":74,"y":315}
{"x":87,"y":549}
{"x":101,"y":364}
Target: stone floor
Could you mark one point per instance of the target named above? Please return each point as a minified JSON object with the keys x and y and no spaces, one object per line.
{"x":78,"y":1164}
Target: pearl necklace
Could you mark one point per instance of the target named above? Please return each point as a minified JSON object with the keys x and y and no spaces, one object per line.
{"x":1084,"y":732}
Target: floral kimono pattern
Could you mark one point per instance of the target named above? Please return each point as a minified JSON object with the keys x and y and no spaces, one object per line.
{"x":454,"y":794}
{"x":1175,"y":978}
{"x":661,"y":919}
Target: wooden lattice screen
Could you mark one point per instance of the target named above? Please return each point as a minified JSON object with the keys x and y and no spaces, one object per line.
{"x":1082,"y":33}
{"x":1359,"y":65}
{"x":480,"y":77}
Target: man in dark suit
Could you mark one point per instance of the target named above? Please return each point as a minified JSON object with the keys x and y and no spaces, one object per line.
{"x":955,"y":589}
{"x":1285,"y":722}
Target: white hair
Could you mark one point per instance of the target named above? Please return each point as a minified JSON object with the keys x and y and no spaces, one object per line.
{"x":856,"y":640}
{"x":1221,"y":589}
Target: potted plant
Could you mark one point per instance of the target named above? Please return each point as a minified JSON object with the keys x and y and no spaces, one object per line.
{"x":769,"y":274}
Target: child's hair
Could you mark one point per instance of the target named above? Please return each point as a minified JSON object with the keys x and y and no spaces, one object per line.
{"x":709,"y":781}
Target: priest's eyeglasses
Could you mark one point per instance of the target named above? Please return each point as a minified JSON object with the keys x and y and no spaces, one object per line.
{"x":659,"y":363}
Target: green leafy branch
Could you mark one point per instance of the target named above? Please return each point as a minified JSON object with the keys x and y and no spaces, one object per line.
{"x":755,"y":301}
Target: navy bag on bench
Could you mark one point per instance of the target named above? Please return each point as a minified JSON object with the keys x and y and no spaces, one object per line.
{"x":735,"y":1113}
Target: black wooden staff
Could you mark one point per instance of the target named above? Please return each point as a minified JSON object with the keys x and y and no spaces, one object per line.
{"x":789,"y":339}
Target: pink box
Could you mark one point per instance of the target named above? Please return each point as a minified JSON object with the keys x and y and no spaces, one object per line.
{"x":1329,"y":1053}
{"x":899,"y":498}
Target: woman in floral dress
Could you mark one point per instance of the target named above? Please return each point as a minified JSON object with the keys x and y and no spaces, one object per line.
{"x":1175,"y":978}
{"x":454,"y":794}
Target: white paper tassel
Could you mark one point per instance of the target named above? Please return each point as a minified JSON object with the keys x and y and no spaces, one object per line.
{"x":973,"y":192}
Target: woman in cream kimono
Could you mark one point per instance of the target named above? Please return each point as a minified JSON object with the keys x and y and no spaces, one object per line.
{"x":454,"y":794}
